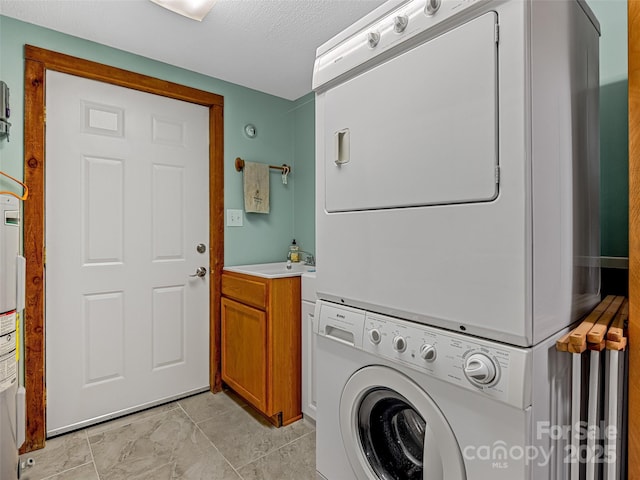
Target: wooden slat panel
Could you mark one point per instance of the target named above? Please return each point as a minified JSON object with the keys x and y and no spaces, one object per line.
{"x":572,"y":348}
{"x":599,"y":329}
{"x":579,"y":335}
{"x":594,"y":326}
{"x":597,"y":346}
{"x":621,"y":345}
{"x":562,"y":344}
{"x":616,"y":331}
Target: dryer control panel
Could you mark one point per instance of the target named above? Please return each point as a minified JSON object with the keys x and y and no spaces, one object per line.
{"x":493,"y":369}
{"x":374,"y":36}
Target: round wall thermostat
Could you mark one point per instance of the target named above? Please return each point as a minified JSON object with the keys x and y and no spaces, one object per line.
{"x":250,"y":130}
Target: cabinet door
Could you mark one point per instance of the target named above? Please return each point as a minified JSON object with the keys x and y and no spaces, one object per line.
{"x":244,"y":351}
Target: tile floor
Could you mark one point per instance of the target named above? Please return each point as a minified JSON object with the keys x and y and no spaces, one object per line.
{"x":206,"y":436}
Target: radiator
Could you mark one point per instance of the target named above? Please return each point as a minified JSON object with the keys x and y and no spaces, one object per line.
{"x":598,"y":345}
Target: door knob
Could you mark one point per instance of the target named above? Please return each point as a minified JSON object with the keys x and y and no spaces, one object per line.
{"x":200,"y":272}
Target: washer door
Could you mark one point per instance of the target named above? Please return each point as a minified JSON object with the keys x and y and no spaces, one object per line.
{"x":393,"y":430}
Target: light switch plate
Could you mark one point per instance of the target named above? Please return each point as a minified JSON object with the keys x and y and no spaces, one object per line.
{"x":234,"y":218}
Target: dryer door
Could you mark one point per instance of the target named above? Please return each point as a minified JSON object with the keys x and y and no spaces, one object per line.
{"x":420,"y":129}
{"x":393,"y":430}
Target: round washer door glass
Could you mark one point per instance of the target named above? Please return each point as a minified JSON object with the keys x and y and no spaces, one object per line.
{"x":393,"y":430}
{"x":392,"y":435}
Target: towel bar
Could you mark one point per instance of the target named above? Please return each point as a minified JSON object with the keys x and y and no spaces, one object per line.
{"x":284,"y":167}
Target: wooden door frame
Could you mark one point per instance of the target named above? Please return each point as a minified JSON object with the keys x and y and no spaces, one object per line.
{"x":633,"y":45}
{"x":37,"y":62}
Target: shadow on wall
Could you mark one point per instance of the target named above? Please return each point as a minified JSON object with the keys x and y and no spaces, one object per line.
{"x":614,"y":174}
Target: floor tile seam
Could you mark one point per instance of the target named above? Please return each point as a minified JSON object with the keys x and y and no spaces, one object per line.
{"x":211,"y":417}
{"x":187,"y":414}
{"x":208,"y":419}
{"x":254,"y":460}
{"x":249,"y":408}
{"x":126,"y":424}
{"x":279,"y":448}
{"x":217,"y":450}
{"x":93,"y":459}
{"x":272,"y":451}
{"x":58,"y":473}
{"x":296,"y":439}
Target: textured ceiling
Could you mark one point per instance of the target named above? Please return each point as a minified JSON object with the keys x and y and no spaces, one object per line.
{"x":267,"y":45}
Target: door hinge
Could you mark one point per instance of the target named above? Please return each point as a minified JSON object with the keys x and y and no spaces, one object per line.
{"x":497,"y":33}
{"x":497,"y":174}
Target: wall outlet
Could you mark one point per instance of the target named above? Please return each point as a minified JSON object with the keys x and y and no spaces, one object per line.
{"x":234,"y":218}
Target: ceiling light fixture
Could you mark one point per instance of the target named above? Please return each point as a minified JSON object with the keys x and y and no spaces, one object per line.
{"x":194,"y":9}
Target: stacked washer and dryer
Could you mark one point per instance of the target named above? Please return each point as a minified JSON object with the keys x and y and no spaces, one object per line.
{"x":457,"y":166}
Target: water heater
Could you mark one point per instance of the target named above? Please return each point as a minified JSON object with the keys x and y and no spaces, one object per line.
{"x":11,"y":302}
{"x":9,"y":250}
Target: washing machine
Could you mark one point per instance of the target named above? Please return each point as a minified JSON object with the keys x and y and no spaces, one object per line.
{"x":400,"y":400}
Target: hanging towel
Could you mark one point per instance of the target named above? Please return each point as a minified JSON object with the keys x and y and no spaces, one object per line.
{"x":256,"y":187}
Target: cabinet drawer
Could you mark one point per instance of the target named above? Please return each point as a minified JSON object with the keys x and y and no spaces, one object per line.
{"x":248,"y":290}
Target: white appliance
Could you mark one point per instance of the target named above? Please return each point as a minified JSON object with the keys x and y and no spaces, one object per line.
{"x":11,"y":301}
{"x":309,"y":343}
{"x":401,"y":400}
{"x":9,"y":250}
{"x":458,"y":165}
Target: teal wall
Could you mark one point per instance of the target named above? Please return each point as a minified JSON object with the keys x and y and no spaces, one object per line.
{"x":285,"y":135}
{"x":304,"y":154}
{"x":614,"y":140}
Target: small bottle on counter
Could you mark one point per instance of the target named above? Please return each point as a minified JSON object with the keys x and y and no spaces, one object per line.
{"x":294,"y":252}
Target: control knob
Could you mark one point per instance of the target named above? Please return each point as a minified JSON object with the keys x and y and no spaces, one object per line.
{"x":400,"y":23}
{"x":373,"y":38}
{"x":480,"y":369}
{"x":374,"y":336}
{"x":428,"y":352}
{"x":399,"y":344}
{"x":432,"y":7}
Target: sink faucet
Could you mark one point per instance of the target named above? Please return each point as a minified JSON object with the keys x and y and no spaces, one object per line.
{"x":309,"y":259}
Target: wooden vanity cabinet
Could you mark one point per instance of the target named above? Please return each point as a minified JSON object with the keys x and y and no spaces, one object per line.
{"x":261,"y":343}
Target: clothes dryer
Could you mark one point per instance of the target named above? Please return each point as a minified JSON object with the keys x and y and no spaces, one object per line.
{"x":398,"y":400}
{"x":457,"y":165}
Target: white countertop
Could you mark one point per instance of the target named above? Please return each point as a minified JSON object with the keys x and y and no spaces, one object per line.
{"x":272,"y":270}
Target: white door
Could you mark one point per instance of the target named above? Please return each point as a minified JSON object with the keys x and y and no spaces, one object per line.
{"x":127,"y":203}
